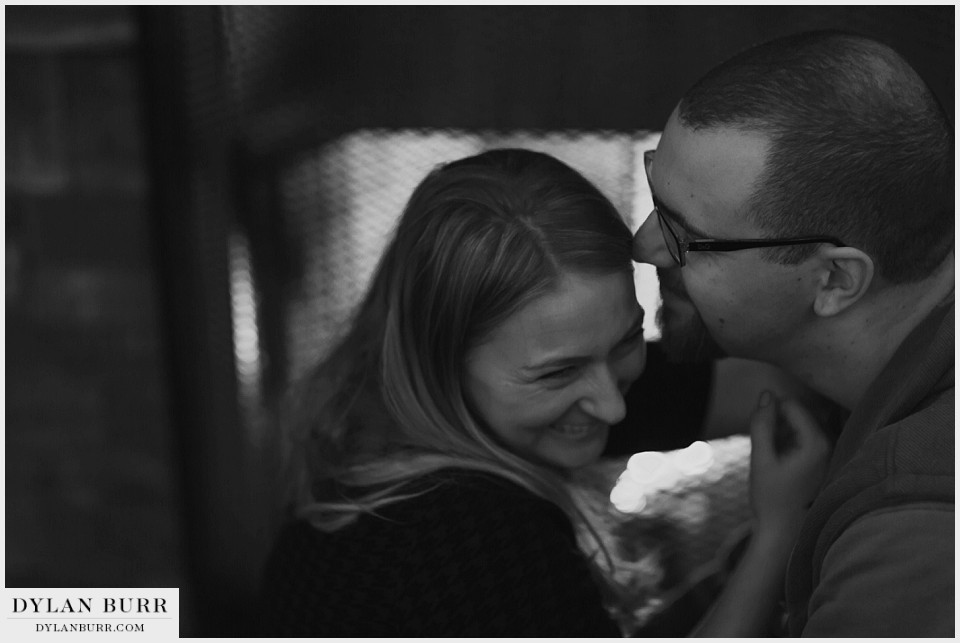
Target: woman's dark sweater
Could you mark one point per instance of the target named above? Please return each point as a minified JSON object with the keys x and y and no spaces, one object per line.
{"x":474,"y":554}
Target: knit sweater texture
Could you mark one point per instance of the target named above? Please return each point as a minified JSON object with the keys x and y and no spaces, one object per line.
{"x":473,"y":555}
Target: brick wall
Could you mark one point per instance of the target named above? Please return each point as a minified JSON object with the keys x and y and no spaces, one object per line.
{"x":91,"y":487}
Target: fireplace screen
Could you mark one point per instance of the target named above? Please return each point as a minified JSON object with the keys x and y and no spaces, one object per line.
{"x":297,"y":135}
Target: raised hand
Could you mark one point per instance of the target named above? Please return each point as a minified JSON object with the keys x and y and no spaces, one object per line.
{"x":788,"y":458}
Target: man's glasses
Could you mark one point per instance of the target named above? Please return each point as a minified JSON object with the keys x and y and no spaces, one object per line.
{"x":679,"y":247}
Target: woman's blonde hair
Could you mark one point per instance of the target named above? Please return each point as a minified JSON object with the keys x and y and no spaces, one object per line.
{"x":478,"y":239}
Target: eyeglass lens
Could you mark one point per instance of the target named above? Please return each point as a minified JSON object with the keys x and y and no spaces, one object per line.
{"x":669,"y":237}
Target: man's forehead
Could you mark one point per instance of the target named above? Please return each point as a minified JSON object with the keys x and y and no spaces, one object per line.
{"x":715,"y":148}
{"x":704,"y":174}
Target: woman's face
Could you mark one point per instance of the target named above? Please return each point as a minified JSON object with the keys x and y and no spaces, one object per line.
{"x":549,"y":381}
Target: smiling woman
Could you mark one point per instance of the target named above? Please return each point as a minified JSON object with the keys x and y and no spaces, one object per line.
{"x":429,"y":452}
{"x":550,"y":380}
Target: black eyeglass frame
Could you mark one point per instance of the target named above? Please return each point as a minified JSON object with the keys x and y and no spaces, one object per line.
{"x":679,"y":249}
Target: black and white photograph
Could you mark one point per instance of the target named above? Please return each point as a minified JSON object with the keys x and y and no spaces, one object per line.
{"x":479,"y":321}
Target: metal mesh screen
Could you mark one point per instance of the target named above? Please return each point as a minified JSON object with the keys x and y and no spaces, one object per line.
{"x":304,"y":129}
{"x":345,"y":110}
{"x":343,"y":200}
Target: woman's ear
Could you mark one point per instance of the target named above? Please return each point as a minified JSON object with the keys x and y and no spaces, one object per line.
{"x":846,"y":276}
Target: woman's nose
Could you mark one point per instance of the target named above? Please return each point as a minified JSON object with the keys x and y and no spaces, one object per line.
{"x":604,"y":401}
{"x":649,"y":246}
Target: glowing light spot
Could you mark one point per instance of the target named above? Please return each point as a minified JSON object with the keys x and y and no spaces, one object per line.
{"x":628,"y":496}
{"x":246,"y":336}
{"x":694,"y":459}
{"x":646,"y":466}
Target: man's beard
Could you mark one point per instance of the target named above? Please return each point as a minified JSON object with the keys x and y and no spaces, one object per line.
{"x":684,"y":336}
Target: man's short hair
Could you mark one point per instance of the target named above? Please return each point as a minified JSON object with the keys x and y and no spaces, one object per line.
{"x":860,"y":147}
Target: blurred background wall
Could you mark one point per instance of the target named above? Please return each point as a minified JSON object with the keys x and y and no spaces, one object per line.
{"x":91,"y":477}
{"x":154,"y":254}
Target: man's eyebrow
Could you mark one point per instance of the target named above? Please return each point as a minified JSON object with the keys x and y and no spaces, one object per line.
{"x":678,"y":218}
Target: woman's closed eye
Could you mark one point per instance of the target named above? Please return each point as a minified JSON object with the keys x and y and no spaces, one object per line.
{"x":558,"y":375}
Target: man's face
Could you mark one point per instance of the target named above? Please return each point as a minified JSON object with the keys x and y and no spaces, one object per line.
{"x":719,"y":303}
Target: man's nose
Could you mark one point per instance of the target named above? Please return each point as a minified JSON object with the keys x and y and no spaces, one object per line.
{"x":649,"y":246}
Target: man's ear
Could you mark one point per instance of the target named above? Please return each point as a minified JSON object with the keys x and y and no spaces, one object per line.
{"x":846,"y":276}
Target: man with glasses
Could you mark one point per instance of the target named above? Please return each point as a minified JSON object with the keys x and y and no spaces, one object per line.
{"x":804,"y":210}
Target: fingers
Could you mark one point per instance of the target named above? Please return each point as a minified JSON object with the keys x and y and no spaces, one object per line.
{"x":781,"y":427}
{"x":807,"y":432}
{"x":788,"y":459}
{"x":762,"y":425}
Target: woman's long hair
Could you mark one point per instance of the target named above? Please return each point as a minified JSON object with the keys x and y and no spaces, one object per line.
{"x":479,"y":238}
